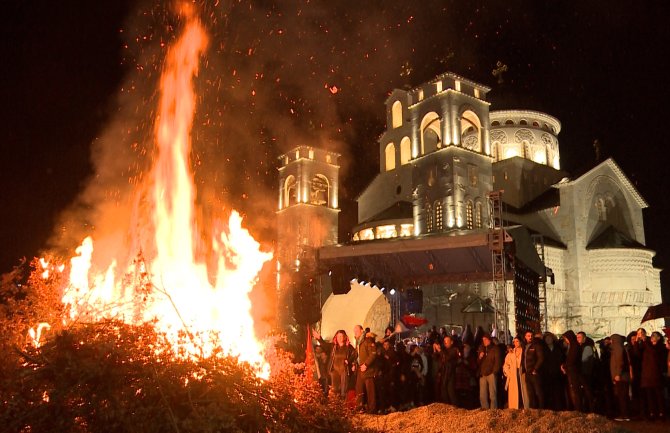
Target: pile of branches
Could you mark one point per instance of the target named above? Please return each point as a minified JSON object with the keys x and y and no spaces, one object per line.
{"x":113,"y":377}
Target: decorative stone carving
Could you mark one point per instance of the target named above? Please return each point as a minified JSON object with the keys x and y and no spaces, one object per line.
{"x":524,"y":135}
{"x":471,"y":142}
{"x":498,"y":136}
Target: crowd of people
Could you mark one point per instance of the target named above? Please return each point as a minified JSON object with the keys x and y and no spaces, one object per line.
{"x":620,"y":377}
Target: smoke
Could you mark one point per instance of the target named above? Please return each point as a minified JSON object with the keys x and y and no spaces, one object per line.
{"x":276,"y":75}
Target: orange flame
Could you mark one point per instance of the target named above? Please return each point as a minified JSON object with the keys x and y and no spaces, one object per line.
{"x":173,"y":288}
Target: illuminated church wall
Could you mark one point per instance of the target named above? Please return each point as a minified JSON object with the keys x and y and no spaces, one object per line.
{"x":443,"y":151}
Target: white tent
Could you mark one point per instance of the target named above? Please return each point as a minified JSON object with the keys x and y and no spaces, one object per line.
{"x":363,"y":305}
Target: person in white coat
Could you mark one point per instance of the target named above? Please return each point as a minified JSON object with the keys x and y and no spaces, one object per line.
{"x":515,"y":386}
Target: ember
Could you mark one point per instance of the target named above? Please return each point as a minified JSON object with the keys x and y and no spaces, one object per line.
{"x":174,"y":287}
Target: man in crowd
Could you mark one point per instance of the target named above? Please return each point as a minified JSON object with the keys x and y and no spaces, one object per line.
{"x":533,"y":357}
{"x":365,"y":372}
{"x":490,"y":363}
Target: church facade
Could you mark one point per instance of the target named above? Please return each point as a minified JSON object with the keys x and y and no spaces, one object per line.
{"x":452,"y":175}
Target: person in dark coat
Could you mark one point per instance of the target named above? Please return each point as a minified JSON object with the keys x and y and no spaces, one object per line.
{"x":366,"y":369}
{"x":638,"y":401}
{"x":466,"y":378}
{"x":651,"y":381}
{"x":389,"y":375}
{"x":533,"y":358}
{"x":619,"y":368}
{"x":572,"y":368}
{"x":490,"y":364}
{"x":588,"y":354}
{"x":450,"y":355}
{"x":554,"y":382}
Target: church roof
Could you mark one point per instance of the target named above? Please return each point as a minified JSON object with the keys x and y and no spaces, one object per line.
{"x":613,"y":238}
{"x":399,"y":210}
{"x":626,"y":184}
{"x":547,"y":200}
{"x":478,"y":305}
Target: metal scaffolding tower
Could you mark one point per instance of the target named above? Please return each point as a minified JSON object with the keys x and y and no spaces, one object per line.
{"x":538,"y":241}
{"x":496,"y":241}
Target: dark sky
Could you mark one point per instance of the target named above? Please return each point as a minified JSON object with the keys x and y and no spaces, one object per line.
{"x":78,"y":95}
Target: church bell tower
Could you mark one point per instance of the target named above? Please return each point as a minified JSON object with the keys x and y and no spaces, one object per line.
{"x":307,"y":218}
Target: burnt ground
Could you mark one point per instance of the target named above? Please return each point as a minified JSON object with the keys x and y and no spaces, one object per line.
{"x":442,"y":418}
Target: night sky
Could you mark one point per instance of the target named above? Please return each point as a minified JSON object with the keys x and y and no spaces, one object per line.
{"x":78,"y":95}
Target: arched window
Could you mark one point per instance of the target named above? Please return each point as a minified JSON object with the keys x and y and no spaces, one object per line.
{"x":468,"y":215}
{"x":396,"y":114}
{"x":471,"y":131}
{"x":429,"y":218}
{"x":405,"y":151}
{"x":290,"y":191}
{"x":390,"y":156}
{"x":478,"y":215}
{"x":431,"y":134}
{"x":438,"y":216}
{"x":320,"y":190}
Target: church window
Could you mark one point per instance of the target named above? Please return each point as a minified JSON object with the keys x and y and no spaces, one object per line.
{"x":457,"y":85}
{"x":478,"y":215}
{"x":328,"y":159}
{"x":311,"y":153}
{"x":396,"y":114}
{"x":366,"y":235}
{"x":468,"y":215}
{"x":405,"y":151}
{"x":509,"y":122}
{"x":431,"y":134}
{"x":297,"y":154}
{"x":495,"y":123}
{"x":438,"y":86}
{"x":386,"y":232}
{"x":429,"y":218}
{"x":438,"y":215}
{"x":470,"y":127}
{"x":390,"y":156}
{"x":320,"y":190}
{"x":290,"y":191}
{"x":473,"y":175}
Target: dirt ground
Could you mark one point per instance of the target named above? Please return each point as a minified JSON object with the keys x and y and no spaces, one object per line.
{"x":442,"y":418}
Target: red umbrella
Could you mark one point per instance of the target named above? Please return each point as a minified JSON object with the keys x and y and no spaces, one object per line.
{"x":659,"y":311}
{"x":412,"y":321}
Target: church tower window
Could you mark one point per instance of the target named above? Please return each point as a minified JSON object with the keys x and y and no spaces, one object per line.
{"x":405,"y":151}
{"x":429,"y":218}
{"x":290,"y":191}
{"x":320,"y":190}
{"x":390,"y":156}
{"x":478,"y":215}
{"x":396,"y":114}
{"x":438,"y":215}
{"x":468,"y":215}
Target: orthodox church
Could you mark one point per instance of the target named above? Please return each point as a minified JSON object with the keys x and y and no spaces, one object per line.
{"x":471,"y":220}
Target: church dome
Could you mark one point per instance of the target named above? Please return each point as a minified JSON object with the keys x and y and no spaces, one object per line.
{"x":527,"y":134}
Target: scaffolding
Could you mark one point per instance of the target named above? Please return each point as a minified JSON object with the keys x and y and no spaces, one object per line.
{"x":538,"y":241}
{"x":496,"y":242}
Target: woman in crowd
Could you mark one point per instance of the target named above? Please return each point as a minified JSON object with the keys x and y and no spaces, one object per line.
{"x":342,"y":357}
{"x":516,"y":393}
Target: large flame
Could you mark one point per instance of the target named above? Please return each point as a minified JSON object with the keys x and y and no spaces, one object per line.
{"x":174,"y":288}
